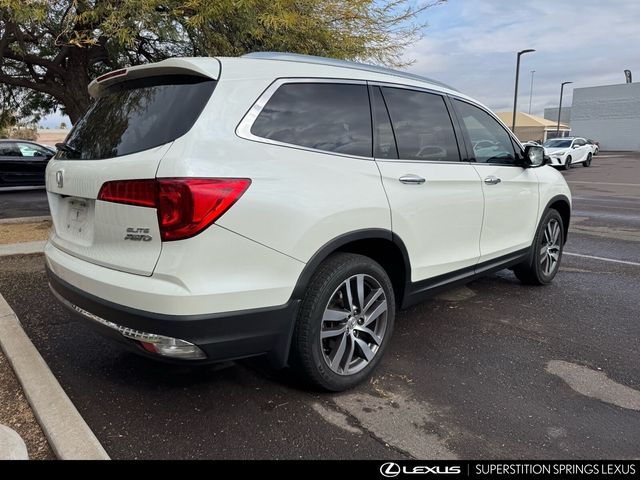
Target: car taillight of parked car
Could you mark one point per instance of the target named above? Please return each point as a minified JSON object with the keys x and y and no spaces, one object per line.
{"x":186,"y":206}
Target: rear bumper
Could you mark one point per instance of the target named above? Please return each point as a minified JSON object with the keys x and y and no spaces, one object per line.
{"x":222,"y":336}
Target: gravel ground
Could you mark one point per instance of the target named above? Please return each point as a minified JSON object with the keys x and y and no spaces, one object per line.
{"x":24,"y":232}
{"x":16,"y":413}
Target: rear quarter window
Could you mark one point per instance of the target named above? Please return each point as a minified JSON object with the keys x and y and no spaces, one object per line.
{"x":332,"y":117}
{"x":137,"y":115}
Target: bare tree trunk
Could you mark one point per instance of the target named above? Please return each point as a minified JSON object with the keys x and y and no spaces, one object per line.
{"x":76,"y":99}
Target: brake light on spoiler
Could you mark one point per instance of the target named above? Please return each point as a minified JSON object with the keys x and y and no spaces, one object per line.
{"x":186,"y":206}
{"x":115,"y":73}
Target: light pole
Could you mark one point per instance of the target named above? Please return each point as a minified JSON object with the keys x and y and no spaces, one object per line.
{"x":560,"y":107}
{"x":531,"y":91}
{"x":515,"y":94}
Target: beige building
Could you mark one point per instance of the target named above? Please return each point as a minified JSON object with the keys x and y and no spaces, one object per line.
{"x":532,"y":127}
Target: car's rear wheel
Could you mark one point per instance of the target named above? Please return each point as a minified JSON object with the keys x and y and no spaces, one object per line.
{"x":567,"y":164}
{"x":587,"y":162}
{"x":546,"y":254}
{"x":344,"y":323}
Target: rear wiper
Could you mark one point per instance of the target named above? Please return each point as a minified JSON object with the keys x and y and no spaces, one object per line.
{"x":65,"y":147}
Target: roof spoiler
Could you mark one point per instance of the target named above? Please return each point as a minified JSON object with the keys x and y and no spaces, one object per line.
{"x":208,"y":67}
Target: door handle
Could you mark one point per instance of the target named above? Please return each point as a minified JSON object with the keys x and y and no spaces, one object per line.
{"x":492,"y":180}
{"x":412,"y":179}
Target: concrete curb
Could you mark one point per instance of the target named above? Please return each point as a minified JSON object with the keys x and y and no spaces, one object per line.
{"x":24,"y":248}
{"x":11,"y":221}
{"x":12,"y":446}
{"x":67,"y":432}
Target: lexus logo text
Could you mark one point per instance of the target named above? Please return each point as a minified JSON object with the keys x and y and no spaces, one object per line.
{"x":391,"y":470}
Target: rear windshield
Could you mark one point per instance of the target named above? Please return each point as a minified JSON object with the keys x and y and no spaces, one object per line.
{"x":137,"y":115}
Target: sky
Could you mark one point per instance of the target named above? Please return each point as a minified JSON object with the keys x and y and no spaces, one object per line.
{"x":472,"y":44}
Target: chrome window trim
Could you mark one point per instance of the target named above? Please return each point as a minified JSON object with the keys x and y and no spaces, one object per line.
{"x":243,"y":130}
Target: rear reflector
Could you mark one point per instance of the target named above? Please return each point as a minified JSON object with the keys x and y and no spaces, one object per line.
{"x":185,"y":206}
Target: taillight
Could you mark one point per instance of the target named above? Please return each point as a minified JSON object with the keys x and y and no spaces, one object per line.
{"x":185,"y":206}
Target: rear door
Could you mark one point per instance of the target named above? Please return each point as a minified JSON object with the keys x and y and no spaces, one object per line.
{"x":580,"y":150}
{"x":510,"y":191}
{"x":436,"y":200}
{"x":10,"y":165}
{"x":123,"y":136}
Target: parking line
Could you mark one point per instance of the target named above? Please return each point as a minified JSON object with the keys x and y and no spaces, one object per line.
{"x":603,"y":259}
{"x":606,"y":183}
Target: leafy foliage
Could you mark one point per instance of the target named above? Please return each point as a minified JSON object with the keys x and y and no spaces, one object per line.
{"x":50,"y":49}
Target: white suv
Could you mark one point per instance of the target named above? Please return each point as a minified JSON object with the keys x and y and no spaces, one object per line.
{"x":209,"y":209}
{"x":568,"y":151}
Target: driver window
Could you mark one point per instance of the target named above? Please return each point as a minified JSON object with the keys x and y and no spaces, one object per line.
{"x":30,"y":150}
{"x":491,"y":143}
{"x":422,"y":126}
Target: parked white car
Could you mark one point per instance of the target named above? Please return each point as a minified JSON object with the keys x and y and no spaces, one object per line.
{"x":568,"y":151}
{"x":208,"y":209}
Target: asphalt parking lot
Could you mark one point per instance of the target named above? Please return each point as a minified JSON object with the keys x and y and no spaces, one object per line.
{"x":21,"y":202}
{"x":490,"y":370}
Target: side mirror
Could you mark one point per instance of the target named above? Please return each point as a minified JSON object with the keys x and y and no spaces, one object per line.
{"x":534,"y":156}
{"x":574,"y":146}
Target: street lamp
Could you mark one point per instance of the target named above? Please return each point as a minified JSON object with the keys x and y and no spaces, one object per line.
{"x":515,"y":95}
{"x":531,"y":91}
{"x":560,"y":107}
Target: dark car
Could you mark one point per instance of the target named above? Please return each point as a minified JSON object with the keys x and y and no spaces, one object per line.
{"x":596,"y":146}
{"x":22,"y":163}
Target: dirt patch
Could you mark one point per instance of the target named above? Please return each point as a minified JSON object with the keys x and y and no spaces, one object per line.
{"x":24,"y":232}
{"x":16,"y":413}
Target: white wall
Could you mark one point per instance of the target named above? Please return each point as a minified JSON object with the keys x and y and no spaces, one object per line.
{"x":609,"y":114}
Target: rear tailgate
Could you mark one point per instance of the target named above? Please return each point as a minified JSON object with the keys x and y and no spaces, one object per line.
{"x":94,"y":230}
{"x":123,"y":136}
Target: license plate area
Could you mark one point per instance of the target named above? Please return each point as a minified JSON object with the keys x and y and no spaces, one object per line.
{"x":76,"y":223}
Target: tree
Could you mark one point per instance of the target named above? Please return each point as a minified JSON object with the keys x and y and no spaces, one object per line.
{"x":51,"y":49}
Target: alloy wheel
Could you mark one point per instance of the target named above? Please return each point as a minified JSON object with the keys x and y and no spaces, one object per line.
{"x":354,"y":323}
{"x":550,"y":248}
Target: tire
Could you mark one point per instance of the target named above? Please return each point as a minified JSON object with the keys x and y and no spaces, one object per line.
{"x":567,"y":164}
{"x":587,"y":162}
{"x":338,"y":361}
{"x":548,"y":245}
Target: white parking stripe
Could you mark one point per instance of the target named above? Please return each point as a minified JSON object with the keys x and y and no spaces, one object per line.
{"x":603,"y":259}
{"x":606,"y":183}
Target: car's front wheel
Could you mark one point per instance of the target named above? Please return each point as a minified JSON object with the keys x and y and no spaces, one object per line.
{"x":344,"y":323}
{"x":567,"y":164}
{"x":546,"y":254}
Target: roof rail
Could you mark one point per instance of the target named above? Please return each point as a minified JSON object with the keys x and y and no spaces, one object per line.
{"x":333,"y":62}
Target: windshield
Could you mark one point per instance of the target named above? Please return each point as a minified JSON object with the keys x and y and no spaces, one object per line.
{"x":137,"y":115}
{"x":557,"y":143}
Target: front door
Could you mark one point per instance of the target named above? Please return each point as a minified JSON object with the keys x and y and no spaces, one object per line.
{"x":510,"y":191}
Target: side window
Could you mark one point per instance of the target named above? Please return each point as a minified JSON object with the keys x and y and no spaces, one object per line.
{"x":384,"y":141}
{"x":422,"y":125}
{"x":31,"y":150}
{"x":9,"y":149}
{"x":333,"y":117}
{"x":491,"y":142}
